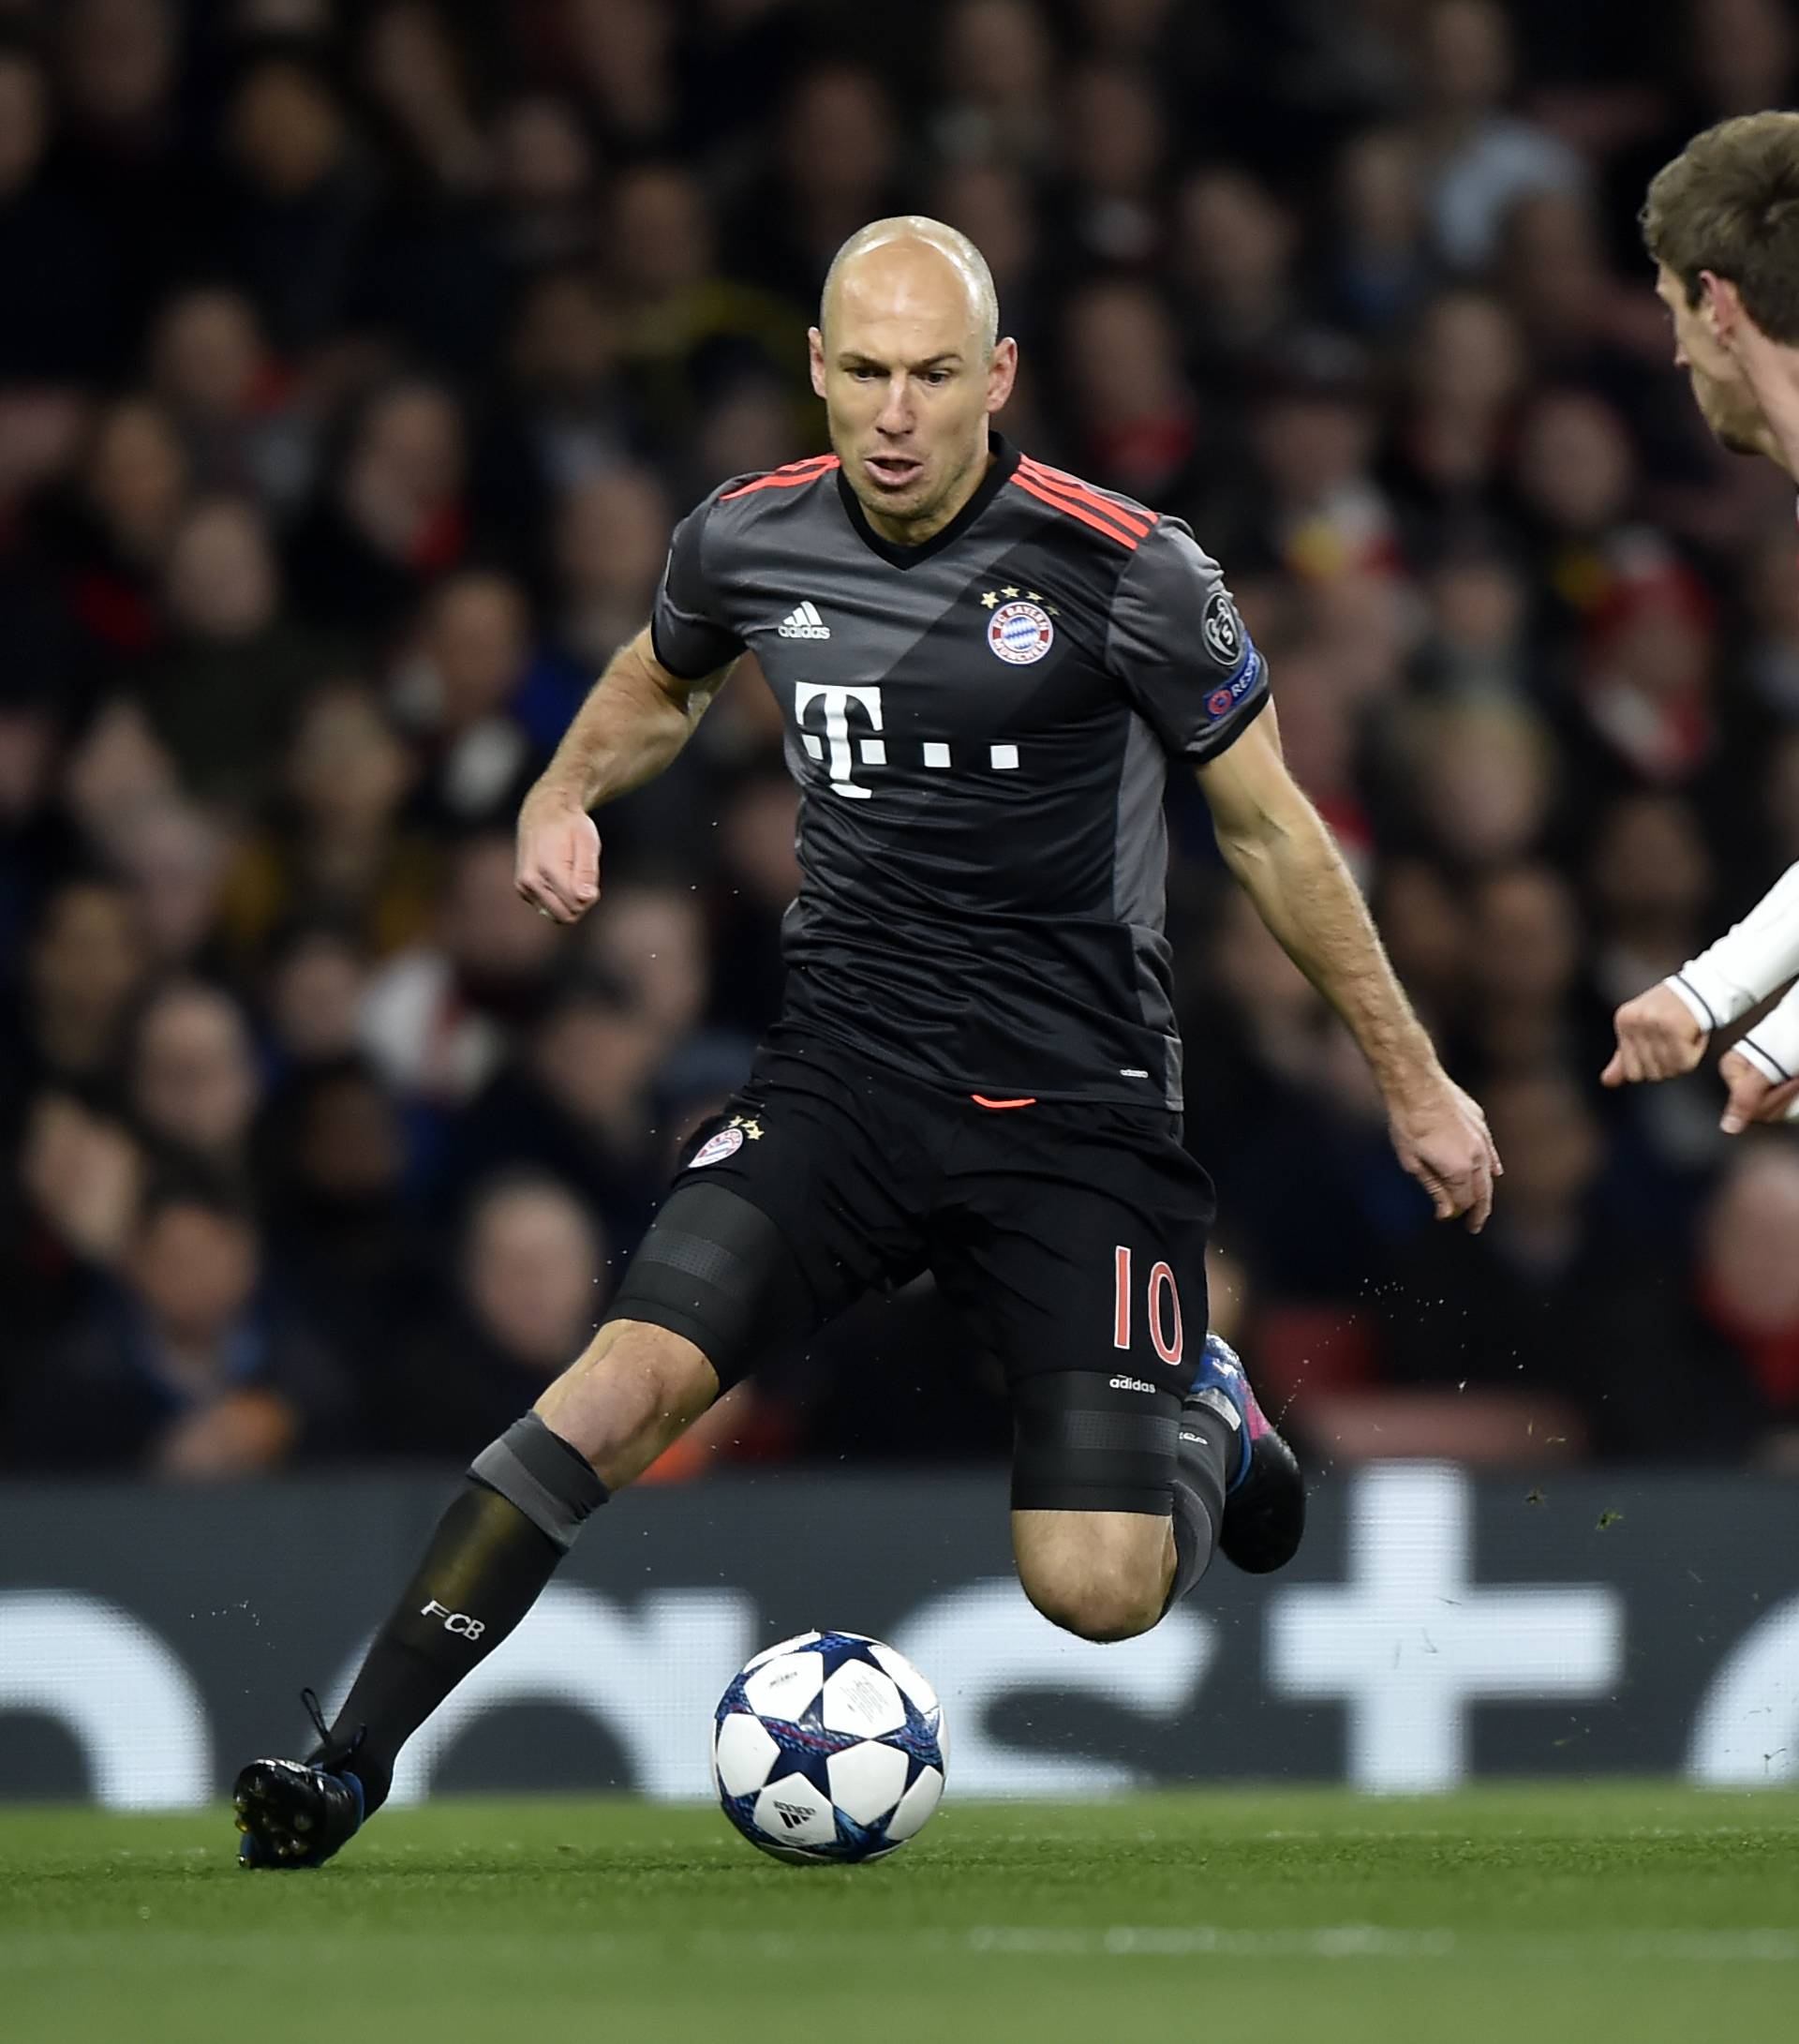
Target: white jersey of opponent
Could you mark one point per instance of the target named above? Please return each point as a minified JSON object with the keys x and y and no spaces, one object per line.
{"x":1744,"y":967}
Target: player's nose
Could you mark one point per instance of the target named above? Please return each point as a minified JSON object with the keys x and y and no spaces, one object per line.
{"x":895,"y":410}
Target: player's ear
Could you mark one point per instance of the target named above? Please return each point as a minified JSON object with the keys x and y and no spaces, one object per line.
{"x":1721,"y":305}
{"x":1001,"y":373}
{"x":816,"y":359}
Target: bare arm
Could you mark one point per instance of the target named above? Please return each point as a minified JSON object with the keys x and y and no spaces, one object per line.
{"x":1276,"y":845}
{"x":636,"y":718}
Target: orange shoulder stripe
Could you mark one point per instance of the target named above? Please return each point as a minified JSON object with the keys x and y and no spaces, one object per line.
{"x":1139,"y":522}
{"x":789,"y":478}
{"x":1073,"y":510}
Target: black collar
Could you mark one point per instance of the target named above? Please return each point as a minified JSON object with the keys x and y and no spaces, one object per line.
{"x":1005,"y":460}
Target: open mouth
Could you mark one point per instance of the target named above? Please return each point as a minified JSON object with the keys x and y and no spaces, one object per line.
{"x":893,"y":472}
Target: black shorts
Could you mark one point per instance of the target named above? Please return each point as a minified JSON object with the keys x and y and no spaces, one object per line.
{"x":1070,"y":1237}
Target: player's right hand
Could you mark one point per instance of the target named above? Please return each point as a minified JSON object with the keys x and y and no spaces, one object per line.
{"x":1753,"y":1095}
{"x":1657,"y":1038}
{"x":558,"y":869}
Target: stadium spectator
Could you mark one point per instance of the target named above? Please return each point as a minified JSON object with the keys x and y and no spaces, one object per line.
{"x":1137,"y":413}
{"x":186,"y":1370}
{"x":336,"y":848}
{"x":173,"y":862}
{"x":313,"y":993}
{"x":577,"y":1103}
{"x":1232,"y":265}
{"x":996,"y":78}
{"x":345,"y":1235}
{"x":543,"y":175}
{"x":86,"y":961}
{"x":608,"y":560}
{"x":396,"y":518}
{"x":1748,"y":1281}
{"x":293,"y":207}
{"x":1649,"y":880}
{"x":63,"y":330}
{"x":239,"y":414}
{"x":104,"y":536}
{"x":454,"y":690}
{"x":194,"y":1087}
{"x":1379,"y":268}
{"x":1464,"y":375}
{"x":1478,"y":157}
{"x":438,"y":1018}
{"x":224,"y":692}
{"x":531,"y":1283}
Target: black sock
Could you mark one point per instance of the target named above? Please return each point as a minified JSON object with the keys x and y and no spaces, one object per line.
{"x":493,"y":1552}
{"x":1205,"y":1449}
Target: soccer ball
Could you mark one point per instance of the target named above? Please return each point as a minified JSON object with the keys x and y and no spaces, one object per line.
{"x":829,"y":1747}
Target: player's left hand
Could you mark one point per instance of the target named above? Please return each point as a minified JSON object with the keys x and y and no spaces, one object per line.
{"x":1753,"y":1095}
{"x":557,"y":869}
{"x":1440,"y":1136}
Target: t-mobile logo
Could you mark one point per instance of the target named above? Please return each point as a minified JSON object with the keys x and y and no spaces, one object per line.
{"x":840,"y":753}
{"x":458,"y":1623}
{"x":836,"y":732}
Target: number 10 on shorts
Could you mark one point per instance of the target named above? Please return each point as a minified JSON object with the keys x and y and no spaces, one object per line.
{"x":1163,"y":1306}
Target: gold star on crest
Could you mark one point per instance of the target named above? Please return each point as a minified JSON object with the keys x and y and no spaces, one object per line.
{"x":989,"y":598}
{"x":1009,"y":591}
{"x":750,"y":1127}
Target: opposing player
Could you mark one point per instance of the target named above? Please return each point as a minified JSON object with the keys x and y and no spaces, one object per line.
{"x":984,"y":666}
{"x":1722,"y":223}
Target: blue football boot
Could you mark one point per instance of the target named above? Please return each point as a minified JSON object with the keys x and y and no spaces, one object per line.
{"x":1264,"y":1493}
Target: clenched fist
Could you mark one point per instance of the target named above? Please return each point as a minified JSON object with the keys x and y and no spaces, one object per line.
{"x":559,"y":857}
{"x":1657,"y":1038}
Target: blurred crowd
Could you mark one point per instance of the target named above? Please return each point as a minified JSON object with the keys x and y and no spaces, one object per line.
{"x":356,"y":357}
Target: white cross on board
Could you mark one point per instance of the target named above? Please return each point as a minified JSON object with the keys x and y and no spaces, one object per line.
{"x":1409,"y":1642}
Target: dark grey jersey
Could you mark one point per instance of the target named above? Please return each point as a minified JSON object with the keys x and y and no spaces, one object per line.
{"x":980,"y":728}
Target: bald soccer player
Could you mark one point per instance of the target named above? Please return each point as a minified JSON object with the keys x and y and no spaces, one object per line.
{"x":984,"y":668}
{"x":1721,"y":223}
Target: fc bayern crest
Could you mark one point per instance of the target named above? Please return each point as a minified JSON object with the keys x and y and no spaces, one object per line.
{"x":1019,"y":633}
{"x":716,"y":1148}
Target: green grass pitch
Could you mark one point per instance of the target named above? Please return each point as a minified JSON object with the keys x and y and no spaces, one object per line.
{"x":1622,"y":1915}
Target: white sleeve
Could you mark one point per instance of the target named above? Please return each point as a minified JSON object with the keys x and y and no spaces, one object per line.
{"x":1773,"y":1046}
{"x":1748,"y":962}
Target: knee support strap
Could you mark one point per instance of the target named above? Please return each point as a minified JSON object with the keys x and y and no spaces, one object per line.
{"x":1080,"y":1445}
{"x":715,"y":1268}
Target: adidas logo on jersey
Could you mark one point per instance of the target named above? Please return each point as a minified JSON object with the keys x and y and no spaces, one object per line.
{"x":804,"y":623}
